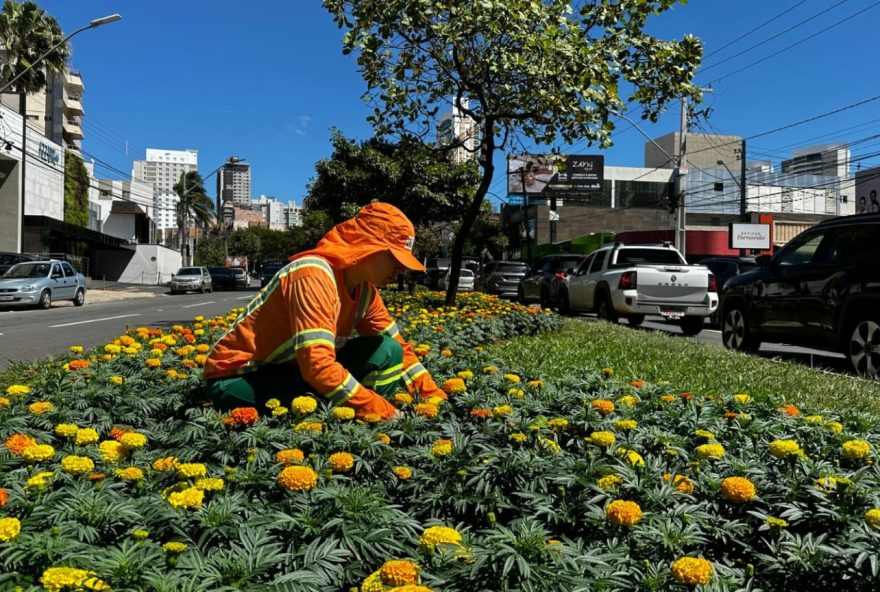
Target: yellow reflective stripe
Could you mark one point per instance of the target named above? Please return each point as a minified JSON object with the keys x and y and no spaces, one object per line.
{"x":413,"y":372}
{"x":381,"y":377}
{"x":364,"y":299}
{"x":309,"y":337}
{"x":344,"y":391}
{"x":391,"y":330}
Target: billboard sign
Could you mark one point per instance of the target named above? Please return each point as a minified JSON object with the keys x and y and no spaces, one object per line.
{"x":749,"y":236}
{"x":868,"y":191}
{"x":545,"y":174}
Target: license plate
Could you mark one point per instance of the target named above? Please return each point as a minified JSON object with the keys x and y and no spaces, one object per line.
{"x":672,"y":313}
{"x":6,"y":298}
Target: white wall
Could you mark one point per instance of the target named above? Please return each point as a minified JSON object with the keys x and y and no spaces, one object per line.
{"x":151,"y":264}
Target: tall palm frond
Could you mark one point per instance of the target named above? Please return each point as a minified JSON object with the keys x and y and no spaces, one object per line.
{"x":26,"y":33}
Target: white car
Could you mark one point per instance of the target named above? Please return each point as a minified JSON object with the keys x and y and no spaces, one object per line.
{"x":465,"y":280}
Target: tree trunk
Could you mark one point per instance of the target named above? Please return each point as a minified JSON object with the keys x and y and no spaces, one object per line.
{"x":487,"y":150}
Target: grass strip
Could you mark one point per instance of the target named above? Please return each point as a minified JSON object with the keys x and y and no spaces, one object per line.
{"x":686,"y":365}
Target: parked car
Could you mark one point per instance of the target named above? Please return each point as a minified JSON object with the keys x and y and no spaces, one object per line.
{"x":221,"y":278}
{"x":725,"y":268}
{"x":191,"y":279}
{"x":240,"y":275}
{"x":7,"y":260}
{"x":38,"y":283}
{"x":501,"y":277}
{"x":465,"y":280}
{"x":268,"y":271}
{"x":822,"y":290}
{"x":631,"y":281}
{"x":538,"y":285}
{"x":432,"y":277}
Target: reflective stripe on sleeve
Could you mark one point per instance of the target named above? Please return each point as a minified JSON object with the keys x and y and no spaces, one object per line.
{"x":364,"y":300}
{"x":413,"y":372}
{"x":287,"y":350}
{"x":383,"y":377}
{"x":391,"y":330}
{"x":344,"y":391}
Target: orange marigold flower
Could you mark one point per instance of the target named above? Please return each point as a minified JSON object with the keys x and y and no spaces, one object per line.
{"x":297,"y":478}
{"x":738,"y":490}
{"x":116,"y":432}
{"x":167,"y":463}
{"x":41,"y":407}
{"x":4,"y":497}
{"x":341,"y":462}
{"x":244,"y":416}
{"x":481,"y":413}
{"x":686,"y":396}
{"x":454,"y":385}
{"x":603,"y":406}
{"x":623,"y":513}
{"x":399,"y":572}
{"x":16,"y":443}
{"x":692,"y":570}
{"x":682,"y":484}
{"x":289,"y":456}
{"x":789,"y":410}
{"x":446,"y":353}
{"x":638,"y":383}
{"x":78,"y":364}
{"x":383,"y":438}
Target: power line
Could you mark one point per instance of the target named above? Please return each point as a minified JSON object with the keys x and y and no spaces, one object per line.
{"x":759,"y":27}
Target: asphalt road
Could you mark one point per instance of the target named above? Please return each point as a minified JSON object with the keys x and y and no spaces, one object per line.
{"x":31,"y":335}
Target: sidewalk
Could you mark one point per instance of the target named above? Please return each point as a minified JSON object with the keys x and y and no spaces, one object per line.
{"x":104,"y":291}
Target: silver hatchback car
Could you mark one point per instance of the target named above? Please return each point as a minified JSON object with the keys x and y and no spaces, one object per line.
{"x":38,"y":283}
{"x":191,"y":279}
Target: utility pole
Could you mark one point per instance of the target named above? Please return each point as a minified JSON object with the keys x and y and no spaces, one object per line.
{"x":743,"y":194}
{"x":681,"y":179}
{"x":522,"y":178}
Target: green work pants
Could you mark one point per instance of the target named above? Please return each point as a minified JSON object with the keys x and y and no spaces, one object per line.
{"x":375,"y":361}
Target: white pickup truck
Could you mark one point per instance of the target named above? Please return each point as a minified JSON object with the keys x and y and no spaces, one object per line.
{"x":632,"y":281}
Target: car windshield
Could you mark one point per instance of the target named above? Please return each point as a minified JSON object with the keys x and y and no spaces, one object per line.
{"x":238,"y":271}
{"x":465,"y":273}
{"x":511,"y":268}
{"x":647,"y":256}
{"x":26,"y":270}
{"x":189,"y":271}
{"x":565,"y":264}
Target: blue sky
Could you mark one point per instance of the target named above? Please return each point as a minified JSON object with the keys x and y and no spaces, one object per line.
{"x":266,"y":81}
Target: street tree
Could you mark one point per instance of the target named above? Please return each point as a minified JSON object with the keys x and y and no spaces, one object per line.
{"x":540,"y":70}
{"x":407,"y":173}
{"x":193,"y":203}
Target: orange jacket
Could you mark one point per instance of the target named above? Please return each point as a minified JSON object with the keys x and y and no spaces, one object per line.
{"x":301,"y":312}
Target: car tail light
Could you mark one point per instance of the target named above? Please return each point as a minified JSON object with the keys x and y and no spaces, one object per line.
{"x":628,"y":281}
{"x":713,"y":283}
{"x":561,"y":275}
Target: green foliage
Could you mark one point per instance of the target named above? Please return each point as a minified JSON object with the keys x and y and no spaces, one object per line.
{"x":26,"y":33}
{"x":76,"y":190}
{"x":419,"y":180}
{"x":194,"y":202}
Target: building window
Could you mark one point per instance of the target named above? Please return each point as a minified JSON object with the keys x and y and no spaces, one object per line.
{"x":719,"y":187}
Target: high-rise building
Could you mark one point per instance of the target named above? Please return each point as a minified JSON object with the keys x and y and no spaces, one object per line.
{"x":273,"y":212}
{"x":455,"y":126}
{"x":292,"y":215}
{"x":831,"y":160}
{"x":162,"y":169}
{"x":234,"y":184}
{"x":702,"y":151}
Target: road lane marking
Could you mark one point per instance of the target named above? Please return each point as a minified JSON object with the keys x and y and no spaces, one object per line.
{"x":94,"y":320}
{"x":199,"y":304}
{"x":244,"y":297}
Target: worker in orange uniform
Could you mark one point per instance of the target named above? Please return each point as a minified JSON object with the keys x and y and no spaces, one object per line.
{"x":291,"y":338}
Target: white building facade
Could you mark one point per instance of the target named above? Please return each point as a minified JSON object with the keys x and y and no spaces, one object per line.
{"x":162,"y":169}
{"x":455,"y":126}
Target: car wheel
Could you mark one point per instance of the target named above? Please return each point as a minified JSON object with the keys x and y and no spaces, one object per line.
{"x":635,"y":320}
{"x":692,"y":325}
{"x":735,"y":331}
{"x":605,"y":309}
{"x":564,"y":303}
{"x":545,"y":298}
{"x":45,"y":300}
{"x":80,"y":298}
{"x":863,"y":348}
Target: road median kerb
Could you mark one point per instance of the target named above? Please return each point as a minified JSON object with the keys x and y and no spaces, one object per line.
{"x":98,"y":296}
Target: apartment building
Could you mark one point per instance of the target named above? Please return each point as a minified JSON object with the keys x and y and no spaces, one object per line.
{"x":163,"y":169}
{"x":234,"y":184}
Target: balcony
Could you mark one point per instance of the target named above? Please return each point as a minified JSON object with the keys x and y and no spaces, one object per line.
{"x":72,"y":105}
{"x":73,"y":81}
{"x":72,"y":131}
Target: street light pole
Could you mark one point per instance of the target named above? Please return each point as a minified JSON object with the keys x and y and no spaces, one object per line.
{"x":23,"y":108}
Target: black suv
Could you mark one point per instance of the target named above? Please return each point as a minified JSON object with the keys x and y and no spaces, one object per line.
{"x":724,"y":268}
{"x":222,"y":278}
{"x":821,"y":290}
{"x":268,"y":271}
{"x":538,"y":285}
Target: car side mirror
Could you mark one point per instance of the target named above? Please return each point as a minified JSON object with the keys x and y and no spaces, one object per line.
{"x":763,"y":260}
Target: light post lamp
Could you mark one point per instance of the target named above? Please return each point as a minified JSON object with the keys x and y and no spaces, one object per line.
{"x":185,"y":253}
{"x":23,"y":104}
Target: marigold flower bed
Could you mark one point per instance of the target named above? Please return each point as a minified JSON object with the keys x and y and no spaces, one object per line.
{"x":114,"y":475}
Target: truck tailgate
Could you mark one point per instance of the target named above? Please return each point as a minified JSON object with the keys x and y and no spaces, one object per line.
{"x":672,"y":284}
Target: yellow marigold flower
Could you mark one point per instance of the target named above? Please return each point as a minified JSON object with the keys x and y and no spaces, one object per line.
{"x":210,"y":484}
{"x":682,"y":484}
{"x":59,"y":579}
{"x":623,"y":513}
{"x":465,"y":374}
{"x":153,"y":362}
{"x":548,"y":444}
{"x":112,"y":348}
{"x":705,"y":434}
{"x":855,"y":449}
{"x":814,"y":419}
{"x":516,"y":393}
{"x":608,"y":372}
{"x":39,"y":481}
{"x":609,"y":482}
{"x":174,"y":547}
{"x":304,"y":405}
{"x":834,"y":427}
{"x":341,"y":462}
{"x":343,"y":413}
{"x":75,"y":349}
{"x":738,"y":490}
{"x":309,"y":426}
{"x":171,"y":373}
{"x":130,"y":474}
{"x":372,"y":583}
{"x":289,"y":456}
{"x":602,"y":439}
{"x":743,"y":398}
{"x":189,"y":498}
{"x":297,"y":478}
{"x":383,"y":438}
{"x":157,"y":353}
{"x":517,"y":437}
{"x":628,"y":401}
{"x":200,"y":359}
{"x":41,"y":407}
{"x":426,"y":410}
{"x":558,"y":424}
{"x":140,"y":534}
{"x":9,"y":529}
{"x":626,"y":425}
{"x":115,"y":379}
{"x":273,"y":403}
{"x":454,"y":386}
{"x":830,"y":483}
{"x":411,"y":588}
{"x":872,"y":517}
{"x":602,"y":406}
{"x":692,"y":571}
{"x":38,"y":453}
{"x":133,"y":440}
{"x":711,"y":451}
{"x":111,"y":451}
{"x":536,"y":384}
{"x":442,"y":448}
{"x":403,"y":399}
{"x":66,"y":430}
{"x":785,"y":449}
{"x":446,"y":353}
{"x":86,"y":436}
{"x":512,"y":378}
{"x":279,"y":411}
{"x":777,"y":522}
{"x":77,"y":465}
{"x":4,"y":402}
{"x":192,"y":470}
{"x":399,"y":572}
{"x":489,"y":370}
{"x":401,"y":472}
{"x":502,"y":410}
{"x":164,"y":464}
{"x":632,"y":457}
{"x":668,"y":398}
{"x":17,"y":390}
{"x":434,"y":536}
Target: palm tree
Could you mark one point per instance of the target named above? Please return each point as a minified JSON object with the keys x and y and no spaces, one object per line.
{"x":193,"y":203}
{"x":26,"y":33}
